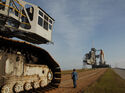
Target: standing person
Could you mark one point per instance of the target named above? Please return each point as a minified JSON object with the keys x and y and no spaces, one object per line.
{"x":74,"y":77}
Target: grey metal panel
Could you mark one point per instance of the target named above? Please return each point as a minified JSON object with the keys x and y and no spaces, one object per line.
{"x":3,"y":58}
{"x":14,"y":65}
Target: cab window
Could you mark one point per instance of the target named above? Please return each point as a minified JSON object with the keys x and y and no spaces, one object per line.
{"x":40,"y":21}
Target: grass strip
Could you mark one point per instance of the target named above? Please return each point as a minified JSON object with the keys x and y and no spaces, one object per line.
{"x":110,"y":82}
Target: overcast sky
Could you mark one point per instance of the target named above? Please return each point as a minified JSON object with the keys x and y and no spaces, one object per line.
{"x":82,"y":24}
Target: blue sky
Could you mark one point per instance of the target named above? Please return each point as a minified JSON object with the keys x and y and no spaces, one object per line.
{"x":82,"y":24}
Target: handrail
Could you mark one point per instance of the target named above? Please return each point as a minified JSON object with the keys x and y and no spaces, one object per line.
{"x":14,"y":5}
{"x":25,"y":23}
{"x":19,"y":3}
{"x":13,"y":8}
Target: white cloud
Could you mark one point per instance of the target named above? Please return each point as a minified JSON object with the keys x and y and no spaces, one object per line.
{"x":75,"y":24}
{"x":74,"y":30}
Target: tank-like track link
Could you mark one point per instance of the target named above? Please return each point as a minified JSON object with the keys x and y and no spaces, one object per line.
{"x":27,"y":51}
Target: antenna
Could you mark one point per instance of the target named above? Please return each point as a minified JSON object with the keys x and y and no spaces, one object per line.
{"x":92,"y":43}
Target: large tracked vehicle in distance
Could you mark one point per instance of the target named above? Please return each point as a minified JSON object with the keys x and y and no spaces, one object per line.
{"x":24,"y":66}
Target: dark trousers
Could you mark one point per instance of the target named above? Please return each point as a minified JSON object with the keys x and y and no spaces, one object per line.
{"x":74,"y":83}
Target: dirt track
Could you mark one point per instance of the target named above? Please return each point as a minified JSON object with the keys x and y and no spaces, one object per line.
{"x":84,"y":80}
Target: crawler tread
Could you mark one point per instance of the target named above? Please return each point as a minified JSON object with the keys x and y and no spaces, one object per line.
{"x":11,"y":46}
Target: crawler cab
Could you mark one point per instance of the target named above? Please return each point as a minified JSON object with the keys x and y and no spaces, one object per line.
{"x":25,"y":21}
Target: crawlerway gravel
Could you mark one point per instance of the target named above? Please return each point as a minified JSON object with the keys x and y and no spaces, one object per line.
{"x":85,"y":79}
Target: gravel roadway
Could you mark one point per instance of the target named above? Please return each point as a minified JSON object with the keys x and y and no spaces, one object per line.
{"x":85,"y":79}
{"x":120,"y":72}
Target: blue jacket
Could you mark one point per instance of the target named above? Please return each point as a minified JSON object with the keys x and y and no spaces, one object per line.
{"x":74,"y":76}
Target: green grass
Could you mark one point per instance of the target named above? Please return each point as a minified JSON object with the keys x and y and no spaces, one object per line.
{"x":110,"y":82}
